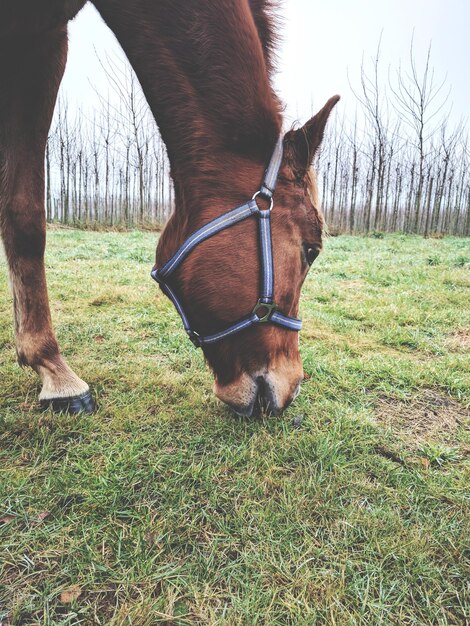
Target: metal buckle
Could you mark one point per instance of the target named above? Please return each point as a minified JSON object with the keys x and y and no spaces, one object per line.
{"x":195,"y":338}
{"x":271,"y":201}
{"x":270,"y":308}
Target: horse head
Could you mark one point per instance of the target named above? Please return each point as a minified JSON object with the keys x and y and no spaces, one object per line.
{"x":216,"y":283}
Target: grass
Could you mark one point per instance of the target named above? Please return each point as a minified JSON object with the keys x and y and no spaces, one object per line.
{"x":164,"y":508}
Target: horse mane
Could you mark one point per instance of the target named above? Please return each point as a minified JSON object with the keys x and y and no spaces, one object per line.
{"x":314,"y":194}
{"x":266,"y":23}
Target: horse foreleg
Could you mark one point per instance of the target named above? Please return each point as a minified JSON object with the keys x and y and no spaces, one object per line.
{"x":30,"y":74}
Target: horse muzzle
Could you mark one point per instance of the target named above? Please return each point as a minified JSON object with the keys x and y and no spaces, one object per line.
{"x":268,"y":391}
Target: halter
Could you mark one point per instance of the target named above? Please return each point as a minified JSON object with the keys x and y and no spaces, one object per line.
{"x":265,"y":310}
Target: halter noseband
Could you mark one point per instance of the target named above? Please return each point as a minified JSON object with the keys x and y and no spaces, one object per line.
{"x":265,"y":310}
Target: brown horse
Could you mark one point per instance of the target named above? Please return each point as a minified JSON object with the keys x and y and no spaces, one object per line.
{"x":204,"y":66}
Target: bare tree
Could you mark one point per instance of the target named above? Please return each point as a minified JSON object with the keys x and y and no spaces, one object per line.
{"x":418,"y":101}
{"x":390,"y":168}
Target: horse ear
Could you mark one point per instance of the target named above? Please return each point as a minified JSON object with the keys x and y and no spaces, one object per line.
{"x":307,"y":140}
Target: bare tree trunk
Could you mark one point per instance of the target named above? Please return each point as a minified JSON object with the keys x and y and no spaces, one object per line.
{"x":428,"y":207}
{"x":48,"y":183}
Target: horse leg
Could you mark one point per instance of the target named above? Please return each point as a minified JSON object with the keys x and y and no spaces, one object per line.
{"x":31,"y":68}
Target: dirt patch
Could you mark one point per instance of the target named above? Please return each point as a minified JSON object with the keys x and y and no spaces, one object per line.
{"x":428,"y":416}
{"x":460,"y":340}
{"x":352,"y":284}
{"x":107,"y":299}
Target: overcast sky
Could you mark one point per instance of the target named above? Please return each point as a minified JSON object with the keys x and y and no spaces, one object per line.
{"x":322,"y":43}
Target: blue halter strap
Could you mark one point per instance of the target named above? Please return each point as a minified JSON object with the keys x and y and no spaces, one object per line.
{"x":265,"y":310}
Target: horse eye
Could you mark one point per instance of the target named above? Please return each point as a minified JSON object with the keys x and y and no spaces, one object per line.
{"x":311,"y":252}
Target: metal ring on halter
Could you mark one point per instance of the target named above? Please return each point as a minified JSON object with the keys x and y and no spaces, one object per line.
{"x":271,"y":201}
{"x":269,"y":308}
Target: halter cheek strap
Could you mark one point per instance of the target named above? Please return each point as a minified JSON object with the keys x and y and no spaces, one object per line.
{"x":265,"y":310}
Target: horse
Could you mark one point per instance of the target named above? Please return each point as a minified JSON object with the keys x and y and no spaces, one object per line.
{"x":205,"y":67}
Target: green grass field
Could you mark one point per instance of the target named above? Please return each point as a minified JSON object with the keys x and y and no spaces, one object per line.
{"x":165,"y":508}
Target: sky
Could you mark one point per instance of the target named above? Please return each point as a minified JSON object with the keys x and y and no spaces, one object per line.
{"x":323,"y":44}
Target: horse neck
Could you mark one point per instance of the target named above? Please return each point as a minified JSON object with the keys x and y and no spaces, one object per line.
{"x":202,"y":68}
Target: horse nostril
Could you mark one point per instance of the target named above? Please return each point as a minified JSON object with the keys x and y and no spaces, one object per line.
{"x":266,"y":399}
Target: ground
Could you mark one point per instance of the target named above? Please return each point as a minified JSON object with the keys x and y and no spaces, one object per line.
{"x":164,"y":508}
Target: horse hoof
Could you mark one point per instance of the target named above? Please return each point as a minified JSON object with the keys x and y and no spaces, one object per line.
{"x":83,"y":403}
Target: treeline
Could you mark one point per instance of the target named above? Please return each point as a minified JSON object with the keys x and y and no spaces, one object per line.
{"x":110,"y":167}
{"x":397,"y":166}
{"x":400,"y":165}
